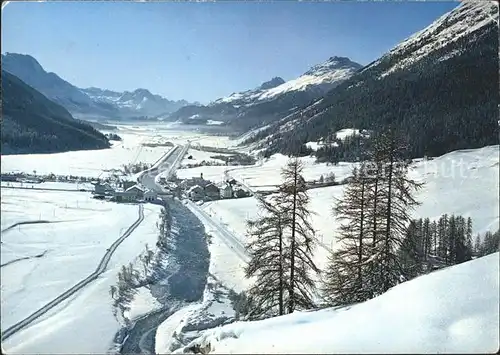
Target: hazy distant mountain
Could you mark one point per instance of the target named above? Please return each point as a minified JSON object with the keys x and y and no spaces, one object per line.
{"x":91,"y":102}
{"x":31,"y":123}
{"x":139,"y":102}
{"x":27,"y":69}
{"x":273,"y":99}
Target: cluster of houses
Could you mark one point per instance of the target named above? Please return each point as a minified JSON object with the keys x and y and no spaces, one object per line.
{"x":128,"y":191}
{"x":199,"y":189}
{"x":196,"y":189}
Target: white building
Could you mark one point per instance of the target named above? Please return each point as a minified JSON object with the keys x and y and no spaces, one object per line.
{"x":150,"y":195}
{"x":136,"y":192}
{"x":226,"y":191}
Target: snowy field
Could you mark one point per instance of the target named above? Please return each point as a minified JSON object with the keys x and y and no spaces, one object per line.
{"x":267,"y":175}
{"x":234,"y":214}
{"x":435,"y":313}
{"x":83,"y":323}
{"x":80,"y":231}
{"x":269,"y":172}
{"x":226,"y":264}
{"x":463,"y":183}
{"x":104,"y":162}
{"x":198,"y":156}
{"x":88,"y":163}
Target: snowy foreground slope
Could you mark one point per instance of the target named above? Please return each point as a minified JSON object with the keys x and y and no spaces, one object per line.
{"x":454,"y":310}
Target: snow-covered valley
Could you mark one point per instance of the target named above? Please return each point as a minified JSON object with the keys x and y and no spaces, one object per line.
{"x":79,"y":230}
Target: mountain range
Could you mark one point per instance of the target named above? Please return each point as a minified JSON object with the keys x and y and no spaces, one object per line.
{"x":138,"y":102}
{"x":439,"y":88}
{"x":273,"y":99}
{"x":91,"y":103}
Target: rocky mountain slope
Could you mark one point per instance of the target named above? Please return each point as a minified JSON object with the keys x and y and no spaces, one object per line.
{"x":273,"y":99}
{"x":439,"y":88}
{"x":91,"y":102}
{"x":31,"y":123}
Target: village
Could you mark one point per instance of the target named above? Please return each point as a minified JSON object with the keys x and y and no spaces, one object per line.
{"x":195,"y":189}
{"x":120,"y":187}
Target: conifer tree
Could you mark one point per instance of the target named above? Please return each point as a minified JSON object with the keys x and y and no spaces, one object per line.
{"x":281,"y":249}
{"x":395,"y":201}
{"x":346,"y":277}
{"x":478,"y":246}
{"x":374,"y":240}
{"x":269,"y":257}
{"x":409,"y":253}
{"x":293,"y":200}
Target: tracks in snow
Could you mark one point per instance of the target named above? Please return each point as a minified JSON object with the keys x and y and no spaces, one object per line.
{"x":24,"y":258}
{"x":99,"y":270}
{"x":25,"y":222}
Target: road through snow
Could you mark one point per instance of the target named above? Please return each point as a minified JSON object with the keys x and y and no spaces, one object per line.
{"x":227,"y":237}
{"x":99,"y":270}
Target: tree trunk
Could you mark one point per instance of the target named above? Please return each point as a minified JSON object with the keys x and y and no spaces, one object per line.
{"x":360,"y":253}
{"x":388,"y":218}
{"x":281,"y":310}
{"x":291,"y":304}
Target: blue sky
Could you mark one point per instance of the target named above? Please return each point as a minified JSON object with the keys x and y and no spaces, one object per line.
{"x":202,"y":51}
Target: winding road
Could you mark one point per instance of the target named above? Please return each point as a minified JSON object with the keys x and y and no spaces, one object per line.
{"x":99,"y":270}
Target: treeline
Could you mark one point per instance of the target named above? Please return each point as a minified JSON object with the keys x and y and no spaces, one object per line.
{"x":31,"y":123}
{"x":379,"y":244}
{"x":134,"y":168}
{"x":428,"y":246}
{"x":490,"y":243}
{"x":113,"y":137}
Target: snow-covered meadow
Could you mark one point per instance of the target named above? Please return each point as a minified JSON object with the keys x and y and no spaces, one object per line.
{"x":198,"y":156}
{"x":455,"y":310}
{"x":87,"y":163}
{"x":84,"y":228}
{"x":103,"y":162}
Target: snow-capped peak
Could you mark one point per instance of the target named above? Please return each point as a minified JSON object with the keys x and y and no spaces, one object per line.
{"x":272,"y":83}
{"x":320,"y":78}
{"x":333,"y":63}
{"x":466,"y":18}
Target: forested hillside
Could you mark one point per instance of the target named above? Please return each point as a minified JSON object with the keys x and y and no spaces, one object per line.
{"x":31,"y":123}
{"x":440,"y":87}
